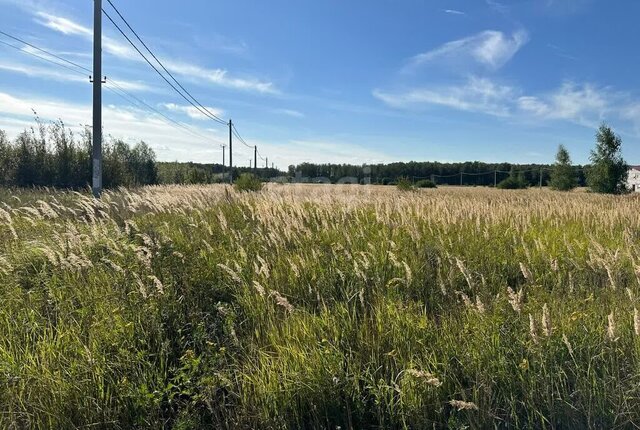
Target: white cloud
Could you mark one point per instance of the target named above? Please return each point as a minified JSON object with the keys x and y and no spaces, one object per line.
{"x":129,"y":124}
{"x":220,"y":77}
{"x":476,"y":95}
{"x":584,"y":104}
{"x":133,"y":125}
{"x":289,"y":112}
{"x":50,"y":73}
{"x":193,"y":112}
{"x":62,"y":25}
{"x":194,"y":72}
{"x":490,"y":48}
{"x":454,"y":12}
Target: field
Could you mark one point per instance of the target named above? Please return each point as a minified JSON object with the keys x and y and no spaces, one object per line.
{"x":319,"y":307}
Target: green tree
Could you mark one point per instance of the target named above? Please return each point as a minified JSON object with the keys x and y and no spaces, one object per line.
{"x":608,"y":171}
{"x":563,"y":177}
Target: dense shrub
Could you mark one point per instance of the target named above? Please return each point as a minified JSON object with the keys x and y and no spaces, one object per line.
{"x":52,"y":155}
{"x":248,"y":182}
{"x":513,"y":182}
{"x":426,"y":183}
{"x":404,"y":184}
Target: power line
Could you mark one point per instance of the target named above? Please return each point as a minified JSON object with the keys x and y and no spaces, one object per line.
{"x":235,"y":132}
{"x":45,"y":51}
{"x":33,"y":54}
{"x":163,"y":67}
{"x":199,"y":106}
{"x":156,"y":69}
{"x":118,"y":90}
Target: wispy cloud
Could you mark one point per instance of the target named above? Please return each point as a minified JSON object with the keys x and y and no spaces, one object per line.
{"x":583,"y":104}
{"x":475,"y":95}
{"x":221,"y":77}
{"x":218,"y":76}
{"x":490,"y":48}
{"x":192,"y":112}
{"x":129,"y":124}
{"x":289,"y":112}
{"x":454,"y":12}
{"x":497,"y":6}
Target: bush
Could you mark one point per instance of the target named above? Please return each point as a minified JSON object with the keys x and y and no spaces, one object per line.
{"x":248,"y":182}
{"x":426,"y":183}
{"x":404,"y":184}
{"x":513,"y":183}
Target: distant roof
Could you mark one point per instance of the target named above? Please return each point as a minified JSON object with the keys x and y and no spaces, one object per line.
{"x":634,"y":167}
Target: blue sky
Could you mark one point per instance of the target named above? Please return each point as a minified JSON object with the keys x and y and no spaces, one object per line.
{"x":355,"y":81}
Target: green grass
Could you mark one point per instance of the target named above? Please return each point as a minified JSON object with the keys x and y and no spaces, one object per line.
{"x":312,"y":307}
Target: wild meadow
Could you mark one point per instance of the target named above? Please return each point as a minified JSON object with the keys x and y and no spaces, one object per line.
{"x":319,"y":307}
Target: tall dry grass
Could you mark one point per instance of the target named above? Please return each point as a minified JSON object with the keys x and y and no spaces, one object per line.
{"x":319,"y":307}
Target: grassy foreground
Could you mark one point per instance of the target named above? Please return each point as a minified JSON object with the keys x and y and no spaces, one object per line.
{"x":319,"y":307}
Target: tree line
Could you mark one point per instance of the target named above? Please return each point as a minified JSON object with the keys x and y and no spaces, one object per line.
{"x":199,"y":173}
{"x":52,"y":155}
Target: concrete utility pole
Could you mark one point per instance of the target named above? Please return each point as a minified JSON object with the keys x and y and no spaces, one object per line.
{"x":541,"y":177}
{"x":250,"y":163}
{"x":97,"y":99}
{"x":460,"y":178}
{"x":495,"y":179}
{"x":224,"y":160}
{"x":266,"y":163}
{"x":230,"y":152}
{"x":255,"y":158}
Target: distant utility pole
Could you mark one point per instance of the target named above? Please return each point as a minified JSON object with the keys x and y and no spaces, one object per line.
{"x":255,"y":158}
{"x":460,"y":178}
{"x":266,"y":163}
{"x":224,"y":159}
{"x":230,"y":152}
{"x":541,"y":177}
{"x":495,"y":179}
{"x":250,"y":163}
{"x":97,"y":99}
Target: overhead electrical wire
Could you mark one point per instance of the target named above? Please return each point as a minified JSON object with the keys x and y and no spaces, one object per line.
{"x":208,"y":112}
{"x":195,"y":104}
{"x":118,"y":90}
{"x":158,"y":71}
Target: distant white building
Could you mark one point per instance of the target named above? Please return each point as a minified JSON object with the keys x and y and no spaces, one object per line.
{"x":633,"y":181}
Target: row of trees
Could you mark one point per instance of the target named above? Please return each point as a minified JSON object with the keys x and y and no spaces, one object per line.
{"x":607,"y":173}
{"x":197,"y":173}
{"x":52,"y":155}
{"x":473,"y":173}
